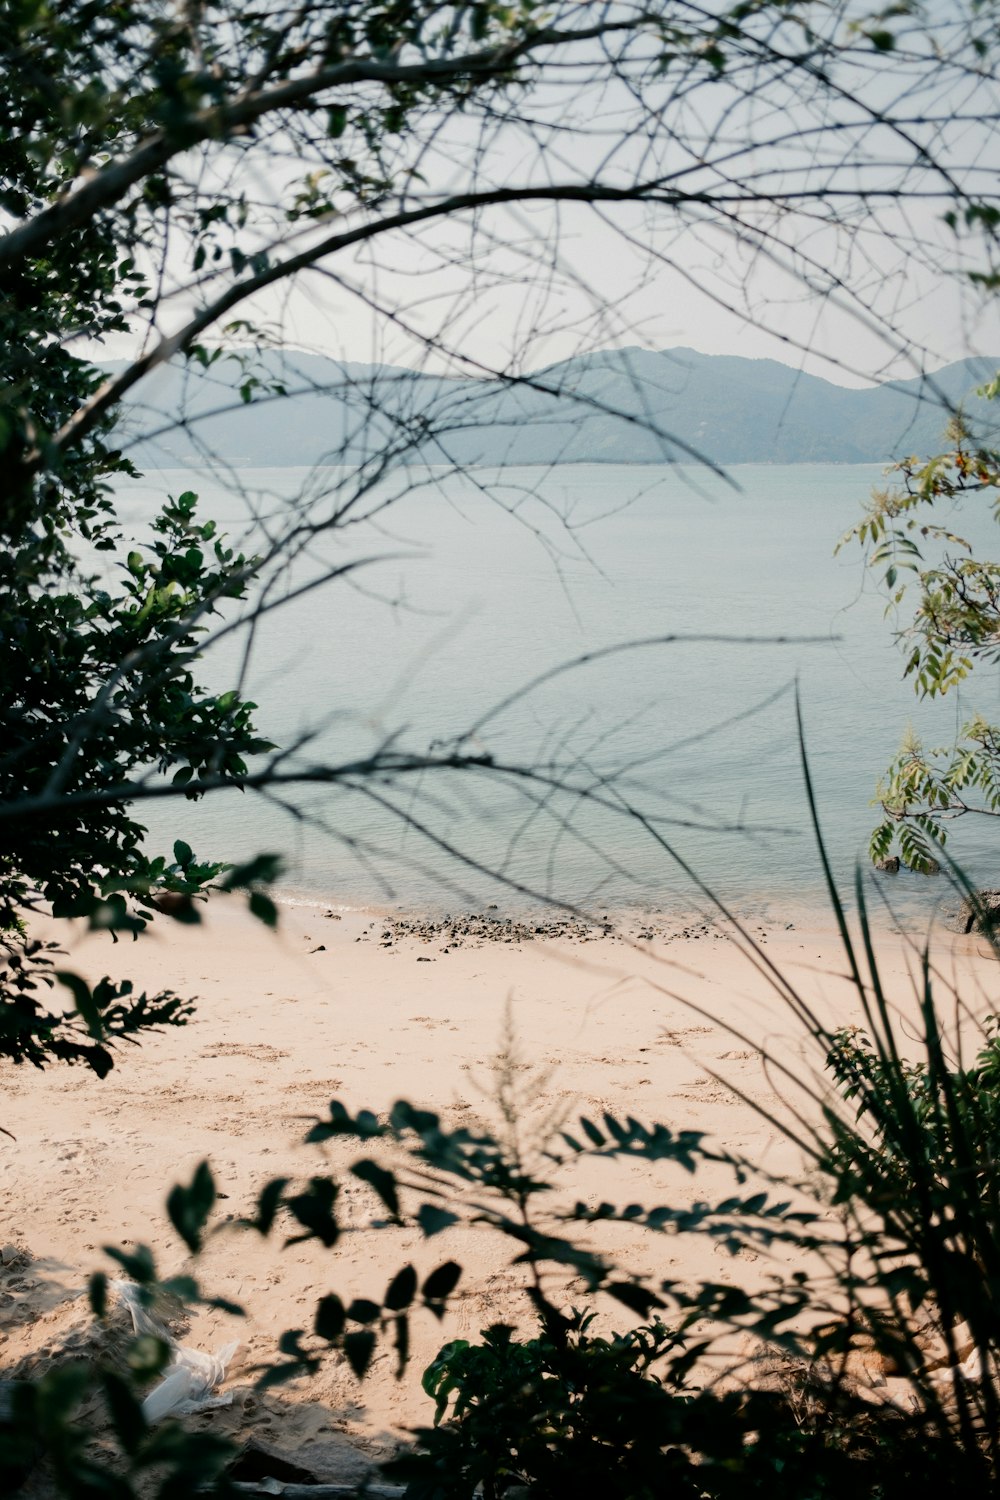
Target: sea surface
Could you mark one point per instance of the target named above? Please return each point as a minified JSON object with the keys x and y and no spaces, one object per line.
{"x":630,"y":780}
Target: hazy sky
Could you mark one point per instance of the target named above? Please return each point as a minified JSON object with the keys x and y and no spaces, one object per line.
{"x":718,"y":300}
{"x":804,"y":254}
{"x":787,"y":243}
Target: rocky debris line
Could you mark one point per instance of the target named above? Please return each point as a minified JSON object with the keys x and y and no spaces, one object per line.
{"x":477,"y":928}
{"x":660,"y":931}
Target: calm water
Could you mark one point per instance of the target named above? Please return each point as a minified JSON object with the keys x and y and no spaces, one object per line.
{"x":480,"y":583}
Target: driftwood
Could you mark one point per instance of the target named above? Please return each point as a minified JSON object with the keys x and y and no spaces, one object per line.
{"x":276,"y":1489}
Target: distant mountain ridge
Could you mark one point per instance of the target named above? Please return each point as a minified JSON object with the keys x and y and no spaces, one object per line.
{"x":619,"y":406}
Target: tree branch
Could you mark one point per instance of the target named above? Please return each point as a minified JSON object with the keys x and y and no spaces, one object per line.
{"x":109,"y":185}
{"x":115,"y":387}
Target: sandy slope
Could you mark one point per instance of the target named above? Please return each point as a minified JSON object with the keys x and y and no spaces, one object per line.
{"x":327,"y":1008}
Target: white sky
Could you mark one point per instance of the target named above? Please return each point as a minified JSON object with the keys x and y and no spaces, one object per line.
{"x":541,"y":283}
{"x":615,"y":304}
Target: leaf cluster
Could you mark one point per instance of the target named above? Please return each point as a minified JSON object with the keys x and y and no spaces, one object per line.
{"x":571,"y":1412}
{"x":953,"y":627}
{"x":922,"y":1153}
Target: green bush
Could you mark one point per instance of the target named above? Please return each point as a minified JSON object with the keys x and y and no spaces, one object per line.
{"x":571,"y":1414}
{"x":550,"y":1411}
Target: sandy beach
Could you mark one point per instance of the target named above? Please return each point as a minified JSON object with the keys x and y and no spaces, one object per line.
{"x":663,"y":1021}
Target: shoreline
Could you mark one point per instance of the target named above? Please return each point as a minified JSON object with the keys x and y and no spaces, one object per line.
{"x":674,"y":1029}
{"x":664,"y":920}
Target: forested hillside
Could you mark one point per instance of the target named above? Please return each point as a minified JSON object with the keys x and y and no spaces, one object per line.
{"x":624,"y":406}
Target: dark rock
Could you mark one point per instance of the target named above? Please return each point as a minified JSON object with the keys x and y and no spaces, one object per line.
{"x":478,"y":928}
{"x":980,"y":915}
{"x":890,"y":864}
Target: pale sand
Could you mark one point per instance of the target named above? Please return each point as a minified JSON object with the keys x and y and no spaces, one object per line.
{"x":606,"y":1024}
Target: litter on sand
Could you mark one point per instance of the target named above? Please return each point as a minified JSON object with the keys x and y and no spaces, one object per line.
{"x":190,"y":1378}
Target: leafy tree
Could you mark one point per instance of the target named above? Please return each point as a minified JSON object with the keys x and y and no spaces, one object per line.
{"x":162,"y":169}
{"x":954,"y":628}
{"x":99,"y":682}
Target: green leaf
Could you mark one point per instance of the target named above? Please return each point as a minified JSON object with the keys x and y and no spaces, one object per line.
{"x":263,"y":869}
{"x":329,"y":1320}
{"x":189,"y":1207}
{"x":440,"y":1284}
{"x":137,"y":1263}
{"x":185,"y":912}
{"x":125,"y":1412}
{"x":112,"y":915}
{"x":363,"y":1310}
{"x":268,"y":1203}
{"x":383,"y":1182}
{"x":638,"y":1299}
{"x":84,"y":1001}
{"x":263,"y":908}
{"x":62,"y":1389}
{"x":401,"y":1290}
{"x":433,"y":1220}
{"x":97,"y":1293}
{"x":148,"y":1356}
{"x":359,"y":1348}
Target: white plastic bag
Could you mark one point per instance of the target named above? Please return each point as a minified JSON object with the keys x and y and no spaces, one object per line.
{"x":190,"y":1378}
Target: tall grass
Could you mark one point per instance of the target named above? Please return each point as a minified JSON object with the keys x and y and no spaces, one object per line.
{"x":903,"y":1128}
